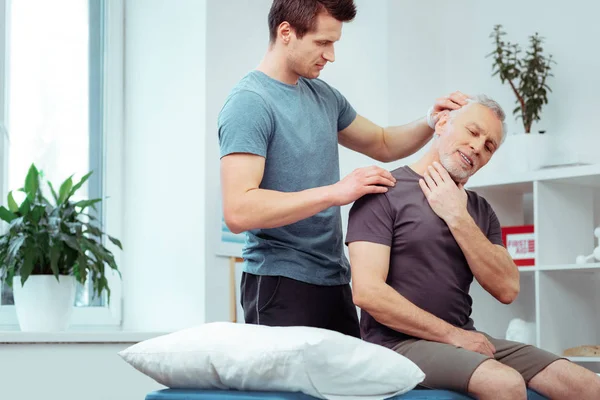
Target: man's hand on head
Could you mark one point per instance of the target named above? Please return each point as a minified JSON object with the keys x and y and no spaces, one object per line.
{"x":453,"y":101}
{"x":447,"y":199}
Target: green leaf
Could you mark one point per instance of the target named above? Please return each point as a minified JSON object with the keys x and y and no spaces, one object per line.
{"x":53,"y":192}
{"x":32,"y":182}
{"x":80,"y":183}
{"x":13,"y":249}
{"x":115,"y":241}
{"x":82,"y":267}
{"x":12,"y":204}
{"x":54,"y":256}
{"x":70,"y":241}
{"x":6,"y":215}
{"x":86,"y":203}
{"x":29,"y":261}
{"x":37,"y":213}
{"x":25,"y":207}
{"x":65,"y":190}
{"x":9,"y":277}
{"x":17,"y":224}
{"x":94,"y":231}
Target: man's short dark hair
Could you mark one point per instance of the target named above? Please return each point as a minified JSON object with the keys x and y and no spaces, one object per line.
{"x":302,"y":14}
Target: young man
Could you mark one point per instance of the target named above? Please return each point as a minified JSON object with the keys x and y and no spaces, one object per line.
{"x":279,"y":131}
{"x":414,"y":252}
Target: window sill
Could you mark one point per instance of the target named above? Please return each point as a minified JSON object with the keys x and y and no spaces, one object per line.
{"x":76,"y":337}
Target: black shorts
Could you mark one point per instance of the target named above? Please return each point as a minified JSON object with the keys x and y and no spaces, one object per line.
{"x":281,"y":301}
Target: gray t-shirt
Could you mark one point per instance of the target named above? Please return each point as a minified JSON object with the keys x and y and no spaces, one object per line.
{"x":295,"y":127}
{"x":427,"y":266}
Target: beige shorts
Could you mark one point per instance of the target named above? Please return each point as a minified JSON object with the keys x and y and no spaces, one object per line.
{"x":450,"y":367}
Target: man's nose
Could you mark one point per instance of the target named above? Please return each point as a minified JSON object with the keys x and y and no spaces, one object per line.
{"x":329,"y":55}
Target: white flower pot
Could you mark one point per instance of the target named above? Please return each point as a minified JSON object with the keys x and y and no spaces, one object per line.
{"x":528,"y":151}
{"x":43,"y":304}
{"x":519,"y":153}
{"x":533,"y":151}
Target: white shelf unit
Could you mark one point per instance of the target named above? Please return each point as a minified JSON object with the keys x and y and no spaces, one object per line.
{"x":559,"y":296}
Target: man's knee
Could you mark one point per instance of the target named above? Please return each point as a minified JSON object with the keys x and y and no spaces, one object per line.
{"x":495,"y":380}
{"x":564,"y":379}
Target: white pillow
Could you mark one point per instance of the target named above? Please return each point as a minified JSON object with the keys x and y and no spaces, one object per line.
{"x":318,"y":362}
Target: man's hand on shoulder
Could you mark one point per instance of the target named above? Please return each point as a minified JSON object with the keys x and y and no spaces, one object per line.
{"x":453,"y":101}
{"x":447,"y":199}
{"x":360,"y":182}
{"x":473,"y":341}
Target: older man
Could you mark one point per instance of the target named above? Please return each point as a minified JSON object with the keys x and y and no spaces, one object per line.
{"x":414,"y":252}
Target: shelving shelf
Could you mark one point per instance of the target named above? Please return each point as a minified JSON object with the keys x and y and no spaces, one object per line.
{"x":576,"y":174}
{"x":570,"y":267}
{"x":558,"y":297}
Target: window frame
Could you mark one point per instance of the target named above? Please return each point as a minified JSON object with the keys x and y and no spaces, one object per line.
{"x":111,"y":90}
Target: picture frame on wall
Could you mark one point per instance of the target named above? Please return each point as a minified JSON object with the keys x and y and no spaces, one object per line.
{"x":520,"y":243}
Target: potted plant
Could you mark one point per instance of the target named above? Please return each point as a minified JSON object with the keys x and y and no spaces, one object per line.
{"x":527,"y":76}
{"x":48,"y":247}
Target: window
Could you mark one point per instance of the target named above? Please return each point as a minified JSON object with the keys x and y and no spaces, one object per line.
{"x":59,"y":100}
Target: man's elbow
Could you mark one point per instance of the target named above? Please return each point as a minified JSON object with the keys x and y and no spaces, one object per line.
{"x":362,"y":296}
{"x":384,"y":155}
{"x":359,"y":299}
{"x":510,"y":293}
{"x":234,"y":221}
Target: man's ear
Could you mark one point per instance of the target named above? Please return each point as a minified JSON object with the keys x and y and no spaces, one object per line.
{"x":285,"y":32}
{"x":440,"y":126}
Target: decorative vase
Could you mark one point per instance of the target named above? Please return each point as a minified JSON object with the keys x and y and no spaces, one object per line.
{"x":527,"y":151}
{"x":534,"y":151}
{"x":44,"y":304}
{"x":520,"y":153}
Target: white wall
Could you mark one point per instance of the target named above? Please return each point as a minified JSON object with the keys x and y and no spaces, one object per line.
{"x":70,"y":372}
{"x":415,"y":57}
{"x":571,"y":41}
{"x":443,"y":48}
{"x":359,"y":72}
{"x":165,"y":150}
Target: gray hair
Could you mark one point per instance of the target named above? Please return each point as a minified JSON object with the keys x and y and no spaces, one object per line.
{"x":492,"y":105}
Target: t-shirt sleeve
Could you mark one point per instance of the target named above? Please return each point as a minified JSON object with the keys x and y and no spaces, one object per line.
{"x":494,"y":233}
{"x":244,"y":124}
{"x":347,"y":113}
{"x":371,"y":220}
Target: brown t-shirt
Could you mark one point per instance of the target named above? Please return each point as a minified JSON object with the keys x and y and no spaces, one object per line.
{"x":427,"y":266}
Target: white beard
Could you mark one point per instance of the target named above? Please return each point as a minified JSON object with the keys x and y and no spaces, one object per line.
{"x":456,"y":172}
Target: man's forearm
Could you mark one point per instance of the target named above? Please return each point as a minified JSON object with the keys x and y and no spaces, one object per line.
{"x":402,"y":141}
{"x":493,"y":267}
{"x":393,"y":310}
{"x":260,"y":208}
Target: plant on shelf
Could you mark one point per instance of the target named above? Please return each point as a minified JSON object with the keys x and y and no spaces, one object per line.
{"x":60,"y":239}
{"x":527,"y":75}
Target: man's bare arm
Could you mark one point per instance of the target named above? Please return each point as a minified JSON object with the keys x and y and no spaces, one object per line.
{"x":395,"y":142}
{"x":370,"y":266}
{"x":385,"y":144}
{"x":246,"y":206}
{"x":491,"y":264}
